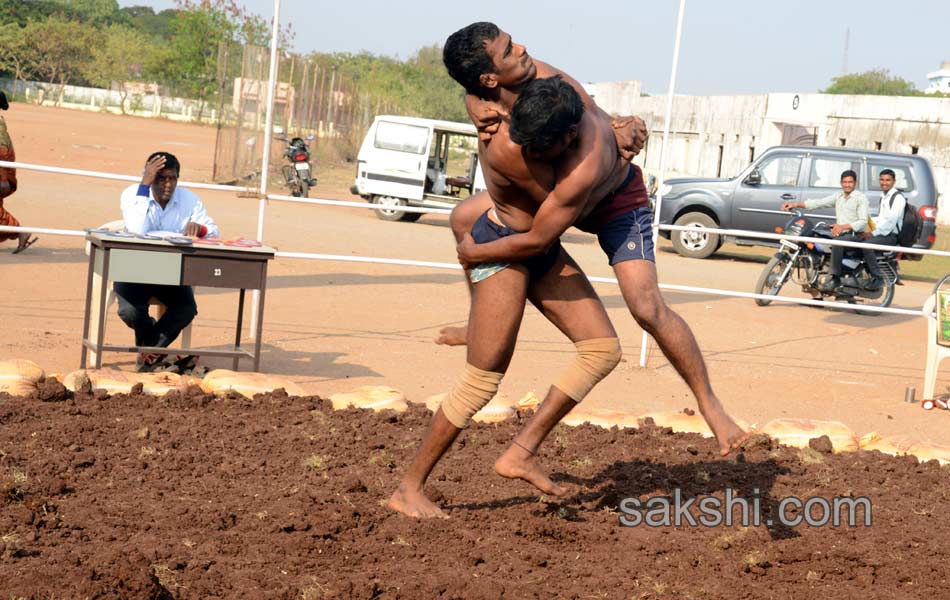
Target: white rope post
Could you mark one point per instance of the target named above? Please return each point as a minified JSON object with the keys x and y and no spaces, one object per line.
{"x":265,"y":161}
{"x":663,"y":153}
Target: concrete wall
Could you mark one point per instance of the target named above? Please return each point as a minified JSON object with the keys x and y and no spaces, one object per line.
{"x":101,"y":100}
{"x":720,"y":135}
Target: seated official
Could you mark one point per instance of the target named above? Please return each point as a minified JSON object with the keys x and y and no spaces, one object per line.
{"x":158,"y":204}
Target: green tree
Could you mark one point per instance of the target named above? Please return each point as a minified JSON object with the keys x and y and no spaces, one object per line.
{"x":150,"y":23}
{"x":117,"y":59}
{"x":56,"y":50}
{"x":98,"y":12}
{"x":189,"y":62}
{"x":21,"y":13}
{"x":877,"y":82}
{"x":419,"y":86}
{"x":12,"y":58}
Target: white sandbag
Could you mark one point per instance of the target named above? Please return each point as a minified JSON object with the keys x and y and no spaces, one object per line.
{"x":599,"y":416}
{"x":900,"y":445}
{"x":797,"y":433}
{"x":682,"y":422}
{"x":222,"y":381}
{"x":19,"y":377}
{"x":528,"y":402}
{"x":121,"y":382}
{"x":372,"y":397}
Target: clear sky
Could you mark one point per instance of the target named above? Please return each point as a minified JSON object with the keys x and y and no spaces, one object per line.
{"x":729,"y":46}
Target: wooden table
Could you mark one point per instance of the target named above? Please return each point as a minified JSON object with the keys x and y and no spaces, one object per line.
{"x":119,"y":257}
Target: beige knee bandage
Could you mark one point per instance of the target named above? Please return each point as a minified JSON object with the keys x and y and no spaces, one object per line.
{"x":471,"y":393}
{"x":596,"y":358}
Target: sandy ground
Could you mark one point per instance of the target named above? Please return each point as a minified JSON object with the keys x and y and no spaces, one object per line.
{"x":333,"y":326}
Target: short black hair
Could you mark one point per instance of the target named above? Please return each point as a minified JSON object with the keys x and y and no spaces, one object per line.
{"x":465,"y":57}
{"x":888,"y":172}
{"x":170,"y":161}
{"x":544,"y":112}
{"x":850,"y":173}
{"x":4,"y":105}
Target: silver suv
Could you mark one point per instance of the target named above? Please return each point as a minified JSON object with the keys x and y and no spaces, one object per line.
{"x":751,"y":200}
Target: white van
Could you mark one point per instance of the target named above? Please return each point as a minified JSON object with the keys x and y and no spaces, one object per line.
{"x":410,"y":161}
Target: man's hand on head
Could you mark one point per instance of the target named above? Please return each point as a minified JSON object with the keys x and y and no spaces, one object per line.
{"x":631,"y":133}
{"x":152,"y":168}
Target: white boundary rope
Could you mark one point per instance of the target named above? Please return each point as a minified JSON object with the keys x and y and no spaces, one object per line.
{"x":116,"y":177}
{"x":444,"y":211}
{"x":796,"y":238}
{"x":351,"y":204}
{"x":438,"y":265}
{"x":457,"y":267}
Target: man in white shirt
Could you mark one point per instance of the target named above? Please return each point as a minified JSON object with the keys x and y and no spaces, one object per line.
{"x":888,"y":221}
{"x":158,"y":204}
{"x":851,"y":220}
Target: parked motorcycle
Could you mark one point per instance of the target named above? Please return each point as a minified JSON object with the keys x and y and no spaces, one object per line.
{"x":808,"y":264}
{"x":298,"y":175}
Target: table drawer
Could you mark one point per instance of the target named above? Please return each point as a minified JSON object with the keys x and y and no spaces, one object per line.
{"x":222,"y":272}
{"x":141,"y":266}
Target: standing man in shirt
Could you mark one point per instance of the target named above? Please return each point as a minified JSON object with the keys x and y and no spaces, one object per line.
{"x":8,"y":186}
{"x":851,"y":214}
{"x":158,"y":204}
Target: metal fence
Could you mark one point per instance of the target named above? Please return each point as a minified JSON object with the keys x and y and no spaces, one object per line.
{"x":310,"y":99}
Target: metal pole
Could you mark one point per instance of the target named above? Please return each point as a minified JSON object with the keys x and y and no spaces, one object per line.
{"x":265,"y":161}
{"x":663,"y":147}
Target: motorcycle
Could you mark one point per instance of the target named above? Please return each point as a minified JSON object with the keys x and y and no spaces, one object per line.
{"x":298,"y":174}
{"x":808,"y":264}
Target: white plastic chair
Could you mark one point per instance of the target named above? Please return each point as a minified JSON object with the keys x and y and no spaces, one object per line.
{"x":936,"y":352}
{"x":110,"y":293}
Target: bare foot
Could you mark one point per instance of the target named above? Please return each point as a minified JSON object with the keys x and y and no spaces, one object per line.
{"x":518,"y":463}
{"x":413,"y":503}
{"x":452,"y":336}
{"x":729,"y":435}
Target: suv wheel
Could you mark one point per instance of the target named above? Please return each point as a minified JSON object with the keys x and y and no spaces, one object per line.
{"x":695,"y":244}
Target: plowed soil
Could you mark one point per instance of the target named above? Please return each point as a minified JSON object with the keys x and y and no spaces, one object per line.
{"x":191,"y":496}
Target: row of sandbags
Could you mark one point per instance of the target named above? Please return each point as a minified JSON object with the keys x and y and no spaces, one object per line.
{"x":791,"y":432}
{"x":21,"y":378}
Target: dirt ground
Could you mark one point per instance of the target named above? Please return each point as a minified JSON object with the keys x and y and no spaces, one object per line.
{"x":188,"y":496}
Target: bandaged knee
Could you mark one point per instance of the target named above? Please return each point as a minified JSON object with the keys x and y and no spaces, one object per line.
{"x":596,"y":358}
{"x":471,"y":393}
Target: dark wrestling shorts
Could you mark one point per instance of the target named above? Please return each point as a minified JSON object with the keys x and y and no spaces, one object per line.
{"x":486,"y":230}
{"x":623,"y":221}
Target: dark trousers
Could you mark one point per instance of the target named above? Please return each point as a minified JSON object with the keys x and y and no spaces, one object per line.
{"x":179,"y":301}
{"x":870,"y":256}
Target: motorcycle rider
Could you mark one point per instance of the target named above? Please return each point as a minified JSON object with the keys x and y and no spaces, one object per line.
{"x":851,"y":215}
